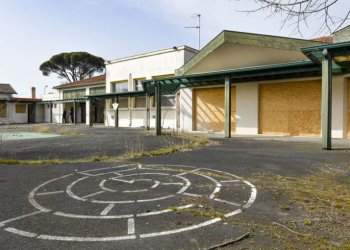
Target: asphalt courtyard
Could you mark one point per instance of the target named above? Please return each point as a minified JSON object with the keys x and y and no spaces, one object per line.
{"x":193,"y":199}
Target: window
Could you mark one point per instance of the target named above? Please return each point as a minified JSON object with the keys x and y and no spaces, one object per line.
{"x":73,"y":94}
{"x":140,"y":102}
{"x":138,"y":84}
{"x":21,"y":108}
{"x":97,"y":90}
{"x":167,"y":101}
{"x":3,"y":110}
{"x":123,"y":102}
{"x":121,"y":86}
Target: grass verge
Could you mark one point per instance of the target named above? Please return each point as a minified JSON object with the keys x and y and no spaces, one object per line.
{"x":318,"y":208}
{"x":190,"y":142}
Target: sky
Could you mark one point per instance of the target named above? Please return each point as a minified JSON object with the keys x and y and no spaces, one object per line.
{"x":31,"y":31}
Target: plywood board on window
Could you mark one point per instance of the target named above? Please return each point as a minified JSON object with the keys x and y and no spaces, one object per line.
{"x":3,"y":112}
{"x":209,"y":111}
{"x":292,"y":108}
{"x":21,"y":108}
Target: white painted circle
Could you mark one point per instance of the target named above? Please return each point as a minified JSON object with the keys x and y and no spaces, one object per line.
{"x":104,"y":193}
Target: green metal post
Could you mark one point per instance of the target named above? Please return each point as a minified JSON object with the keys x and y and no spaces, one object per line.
{"x":326,"y":115}
{"x":227,"y":107}
{"x":158,"y":109}
{"x":148,"y":99}
{"x":116,"y":114}
{"x":50,"y":112}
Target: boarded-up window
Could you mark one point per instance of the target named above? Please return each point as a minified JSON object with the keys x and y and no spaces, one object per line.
{"x":20,"y":108}
{"x":123,"y":102}
{"x":2,"y":109}
{"x":140,"y":102}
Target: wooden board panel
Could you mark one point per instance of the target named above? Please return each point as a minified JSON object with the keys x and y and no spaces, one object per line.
{"x":208,"y":109}
{"x":348,"y":134}
{"x":290,"y":108}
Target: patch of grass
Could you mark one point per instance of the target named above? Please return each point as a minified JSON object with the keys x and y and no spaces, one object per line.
{"x":133,"y":152}
{"x":43,"y":129}
{"x":325,"y":199}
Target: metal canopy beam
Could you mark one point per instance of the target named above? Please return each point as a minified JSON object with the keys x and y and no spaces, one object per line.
{"x":326,"y":115}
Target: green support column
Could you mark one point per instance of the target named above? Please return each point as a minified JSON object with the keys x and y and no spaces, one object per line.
{"x":50,"y":112}
{"x":116,"y":114}
{"x":326,"y":115}
{"x":227,"y":107}
{"x":148,"y":99}
{"x":75,"y":112}
{"x":158,"y":109}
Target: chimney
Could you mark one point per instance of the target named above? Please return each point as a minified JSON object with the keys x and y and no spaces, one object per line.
{"x":33,"y":92}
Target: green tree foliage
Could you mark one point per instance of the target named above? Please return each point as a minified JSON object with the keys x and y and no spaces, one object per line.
{"x":73,"y":66}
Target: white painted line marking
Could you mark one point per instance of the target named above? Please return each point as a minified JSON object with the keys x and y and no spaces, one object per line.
{"x":117,"y":173}
{"x":131,"y":226}
{"x":31,"y":194}
{"x":69,"y":189}
{"x":233,"y":213}
{"x":189,"y":172}
{"x":93,"y":216}
{"x":172,"y":183}
{"x":107,"y":209}
{"x":48,"y":193}
{"x":163,"y":211}
{"x":230,"y":181}
{"x":217,"y":188}
{"x":184,"y":188}
{"x":156,"y":199}
{"x":252,"y":194}
{"x":20,"y":232}
{"x":110,"y":202}
{"x":181,"y":229}
{"x":194,"y":195}
{"x":156,"y":184}
{"x":66,"y":238}
{"x":125,"y":170}
{"x":93,"y":194}
{"x":227,"y":202}
{"x":123,"y":166}
{"x":2,"y":223}
{"x":135,"y":191}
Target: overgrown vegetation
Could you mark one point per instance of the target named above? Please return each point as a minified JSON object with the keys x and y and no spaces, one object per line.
{"x":135,"y":150}
{"x":323,"y":218}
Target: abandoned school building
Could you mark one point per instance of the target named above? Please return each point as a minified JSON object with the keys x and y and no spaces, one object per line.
{"x":239,"y":83}
{"x":18,"y":110}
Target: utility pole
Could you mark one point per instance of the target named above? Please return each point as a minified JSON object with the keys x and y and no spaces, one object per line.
{"x":197,"y":27}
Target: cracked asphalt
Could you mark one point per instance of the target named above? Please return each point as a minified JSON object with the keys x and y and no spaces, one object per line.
{"x":184,"y":200}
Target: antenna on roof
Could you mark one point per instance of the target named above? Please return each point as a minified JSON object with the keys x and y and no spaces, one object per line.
{"x":197,"y":27}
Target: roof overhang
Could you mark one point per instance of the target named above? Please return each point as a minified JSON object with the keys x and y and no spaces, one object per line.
{"x":237,"y":76}
{"x":114,"y":95}
{"x":63,"y":101}
{"x":340,"y":53}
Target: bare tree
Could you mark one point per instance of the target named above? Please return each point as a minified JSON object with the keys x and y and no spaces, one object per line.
{"x":298,"y":13}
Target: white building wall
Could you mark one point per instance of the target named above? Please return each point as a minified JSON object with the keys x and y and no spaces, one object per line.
{"x":146,"y":66}
{"x":247,"y":108}
{"x":339,"y":107}
{"x":186,"y":124}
